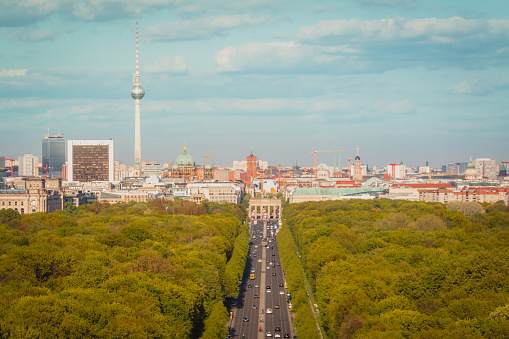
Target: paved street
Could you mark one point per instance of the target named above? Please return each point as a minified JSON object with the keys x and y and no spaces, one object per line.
{"x":253,"y":302}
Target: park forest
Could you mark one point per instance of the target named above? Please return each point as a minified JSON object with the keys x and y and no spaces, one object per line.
{"x":148,"y":270}
{"x":371,"y":268}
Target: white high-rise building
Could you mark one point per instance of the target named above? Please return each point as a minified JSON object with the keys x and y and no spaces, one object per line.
{"x":486,"y":168}
{"x":137,"y":93}
{"x":27,"y":165}
{"x":396,"y":171}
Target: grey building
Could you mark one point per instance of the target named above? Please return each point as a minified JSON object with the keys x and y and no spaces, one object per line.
{"x":53,"y":153}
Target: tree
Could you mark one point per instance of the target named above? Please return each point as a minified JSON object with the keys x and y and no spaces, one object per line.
{"x":8,"y":215}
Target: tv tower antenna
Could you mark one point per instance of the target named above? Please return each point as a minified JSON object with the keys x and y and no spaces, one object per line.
{"x":137,"y":93}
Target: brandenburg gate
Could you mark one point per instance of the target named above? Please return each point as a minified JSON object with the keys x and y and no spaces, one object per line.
{"x":259,"y":208}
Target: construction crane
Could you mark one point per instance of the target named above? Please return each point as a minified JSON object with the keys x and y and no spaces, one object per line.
{"x":322,"y":152}
{"x":45,"y":168}
{"x":12,"y":164}
{"x":206,"y":156}
{"x":278,"y":176}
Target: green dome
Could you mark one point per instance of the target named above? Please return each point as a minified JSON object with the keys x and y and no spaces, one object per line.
{"x":185,"y":159}
{"x":208,"y":167}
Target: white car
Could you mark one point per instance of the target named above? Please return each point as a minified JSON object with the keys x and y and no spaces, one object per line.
{"x":269,"y":334}
{"x":282,"y":292}
{"x":277,"y":335}
{"x":269,"y":311}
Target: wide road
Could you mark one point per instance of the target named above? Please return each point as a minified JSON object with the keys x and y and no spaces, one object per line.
{"x":255,"y":296}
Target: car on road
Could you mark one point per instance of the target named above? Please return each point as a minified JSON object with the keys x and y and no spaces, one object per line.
{"x":286,"y":335}
{"x":256,"y":295}
{"x":276,"y":307}
{"x":277,"y":328}
{"x":245,"y":319}
{"x":268,"y":261}
{"x":277,"y":335}
{"x":257,"y":285}
{"x":234,"y":303}
{"x":254,"y":306}
{"x":280,"y":284}
{"x":253,"y":270}
{"x":268,"y":334}
{"x":249,"y":286}
{"x":273,"y":273}
{"x":268,"y":311}
{"x":282,"y":292}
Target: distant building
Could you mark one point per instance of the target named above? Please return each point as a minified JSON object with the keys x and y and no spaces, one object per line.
{"x":216,"y":192}
{"x":90,"y":160}
{"x":475,"y":194}
{"x":357,"y":168}
{"x":486,"y":168}
{"x":125,"y":196}
{"x":152,"y":169}
{"x":452,"y":169}
{"x":462,"y":166}
{"x":32,"y":195}
{"x":2,"y":161}
{"x":27,"y":165}
{"x":53,"y":153}
{"x":503,"y":169}
{"x":396,"y":171}
{"x":251,"y":167}
{"x":470,"y":172}
{"x":184,"y":167}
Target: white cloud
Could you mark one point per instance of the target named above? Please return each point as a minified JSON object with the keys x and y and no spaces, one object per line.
{"x":356,"y":46}
{"x":203,"y":27}
{"x":22,"y":12}
{"x":273,"y":55}
{"x":480,"y":86}
{"x":389,"y":3}
{"x":7,"y":73}
{"x":427,"y":29}
{"x":40,"y":35}
{"x":168,"y":63}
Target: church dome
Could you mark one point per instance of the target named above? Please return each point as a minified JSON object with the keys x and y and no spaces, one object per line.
{"x":357,"y":158}
{"x":208,"y":167}
{"x":185,"y":159}
{"x":470,"y":165}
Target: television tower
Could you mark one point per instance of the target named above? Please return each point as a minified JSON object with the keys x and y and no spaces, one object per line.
{"x":137,"y":93}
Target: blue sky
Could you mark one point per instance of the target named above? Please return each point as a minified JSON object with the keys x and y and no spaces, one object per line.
{"x":406,"y":80}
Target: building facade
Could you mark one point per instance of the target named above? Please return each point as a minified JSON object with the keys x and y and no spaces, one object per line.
{"x":396,"y":171}
{"x":27,"y":165}
{"x":357,"y":168}
{"x":90,"y":160}
{"x":53,"y":154}
{"x":486,"y":168}
{"x":32,"y":195}
{"x":251,"y":167}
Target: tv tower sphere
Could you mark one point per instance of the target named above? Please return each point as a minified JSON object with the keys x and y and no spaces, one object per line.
{"x":137,"y":92}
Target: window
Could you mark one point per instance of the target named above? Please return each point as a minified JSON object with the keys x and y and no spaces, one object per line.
{"x":22,"y":203}
{"x":15,"y":203}
{"x":22,"y":211}
{"x":9,"y":203}
{"x":33,"y":210}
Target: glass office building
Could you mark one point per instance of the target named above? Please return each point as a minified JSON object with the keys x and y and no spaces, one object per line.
{"x":53,"y":154}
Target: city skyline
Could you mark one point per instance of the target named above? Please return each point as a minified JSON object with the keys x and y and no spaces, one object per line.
{"x":406,"y":80}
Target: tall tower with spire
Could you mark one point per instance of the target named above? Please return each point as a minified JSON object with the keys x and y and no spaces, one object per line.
{"x":137,"y":93}
{"x":357,"y":167}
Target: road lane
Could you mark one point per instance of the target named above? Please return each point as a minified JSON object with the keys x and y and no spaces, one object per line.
{"x":263,"y":277}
